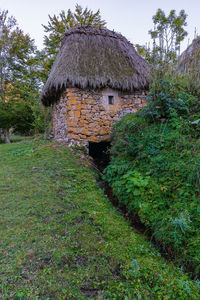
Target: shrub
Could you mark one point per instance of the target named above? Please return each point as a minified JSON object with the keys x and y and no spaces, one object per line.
{"x":155,"y":172}
{"x":167,"y":96}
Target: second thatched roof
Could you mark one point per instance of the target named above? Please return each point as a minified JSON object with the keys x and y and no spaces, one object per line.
{"x":92,"y":57}
{"x":189,"y":61}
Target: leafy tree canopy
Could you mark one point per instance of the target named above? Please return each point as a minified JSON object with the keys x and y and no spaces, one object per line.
{"x":16,"y":59}
{"x":19,"y":83}
{"x":167,"y":35}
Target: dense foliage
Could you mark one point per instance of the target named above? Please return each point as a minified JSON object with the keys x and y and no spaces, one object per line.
{"x":167,"y":35}
{"x":20,"y":81}
{"x":16,"y":114}
{"x":155,"y":170}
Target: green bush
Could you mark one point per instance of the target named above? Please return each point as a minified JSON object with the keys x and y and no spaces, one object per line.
{"x":155,"y":172}
{"x":167,"y":96}
{"x":17,"y":115}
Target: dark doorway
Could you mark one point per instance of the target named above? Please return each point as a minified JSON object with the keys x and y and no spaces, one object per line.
{"x":100,"y":153}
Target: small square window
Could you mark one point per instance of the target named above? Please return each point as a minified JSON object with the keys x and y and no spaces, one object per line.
{"x":110,"y":99}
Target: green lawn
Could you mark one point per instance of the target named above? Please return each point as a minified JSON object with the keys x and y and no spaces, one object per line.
{"x":60,"y":238}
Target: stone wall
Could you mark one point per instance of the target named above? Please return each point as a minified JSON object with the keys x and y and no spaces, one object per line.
{"x":86,"y":115}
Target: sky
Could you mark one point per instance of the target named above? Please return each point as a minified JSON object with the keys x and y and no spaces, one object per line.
{"x":131,"y":18}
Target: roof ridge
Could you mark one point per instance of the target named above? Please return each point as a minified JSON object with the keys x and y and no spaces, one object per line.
{"x":96,"y":30}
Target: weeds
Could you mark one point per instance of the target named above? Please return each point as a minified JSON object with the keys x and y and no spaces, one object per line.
{"x":154,"y":171}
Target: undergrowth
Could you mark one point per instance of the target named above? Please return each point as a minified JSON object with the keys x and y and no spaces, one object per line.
{"x":155,"y":171}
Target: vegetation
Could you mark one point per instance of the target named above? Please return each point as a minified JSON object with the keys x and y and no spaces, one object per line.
{"x":167,"y":35}
{"x":16,"y":114}
{"x":155,"y":167}
{"x":19,"y":80}
{"x":16,"y":59}
{"x":62,"y":239}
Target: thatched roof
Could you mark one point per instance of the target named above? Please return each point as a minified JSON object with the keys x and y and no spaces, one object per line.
{"x":189,"y":60}
{"x":92,"y":57}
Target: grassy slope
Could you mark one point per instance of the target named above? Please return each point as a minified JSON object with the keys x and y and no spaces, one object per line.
{"x":62,"y":239}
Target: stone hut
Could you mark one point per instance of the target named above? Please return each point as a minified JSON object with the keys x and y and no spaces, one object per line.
{"x":96,"y":79}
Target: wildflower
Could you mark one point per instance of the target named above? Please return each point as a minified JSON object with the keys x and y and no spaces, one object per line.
{"x":163,"y":188}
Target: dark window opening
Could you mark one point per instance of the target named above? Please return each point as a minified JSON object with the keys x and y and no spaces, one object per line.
{"x":110,"y":99}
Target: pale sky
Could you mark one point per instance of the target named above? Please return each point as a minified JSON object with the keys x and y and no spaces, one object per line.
{"x":131,"y":18}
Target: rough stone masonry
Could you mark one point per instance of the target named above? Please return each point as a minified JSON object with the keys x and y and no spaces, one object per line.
{"x":83,"y":116}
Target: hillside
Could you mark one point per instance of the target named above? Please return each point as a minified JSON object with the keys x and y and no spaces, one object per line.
{"x":155,"y":168}
{"x":62,"y":239}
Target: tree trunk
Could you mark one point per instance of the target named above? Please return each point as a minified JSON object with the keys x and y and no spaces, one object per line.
{"x":1,"y":134}
{"x":6,"y":135}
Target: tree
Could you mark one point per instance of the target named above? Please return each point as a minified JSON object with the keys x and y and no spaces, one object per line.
{"x":16,"y":57}
{"x":167,"y":35}
{"x":56,"y":28}
{"x":17,"y":70}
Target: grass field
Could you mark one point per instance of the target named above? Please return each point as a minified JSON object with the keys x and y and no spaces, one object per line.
{"x":60,"y":238}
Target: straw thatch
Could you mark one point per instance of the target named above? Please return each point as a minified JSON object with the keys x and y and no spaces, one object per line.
{"x":92,"y":57}
{"x":189,"y":61}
